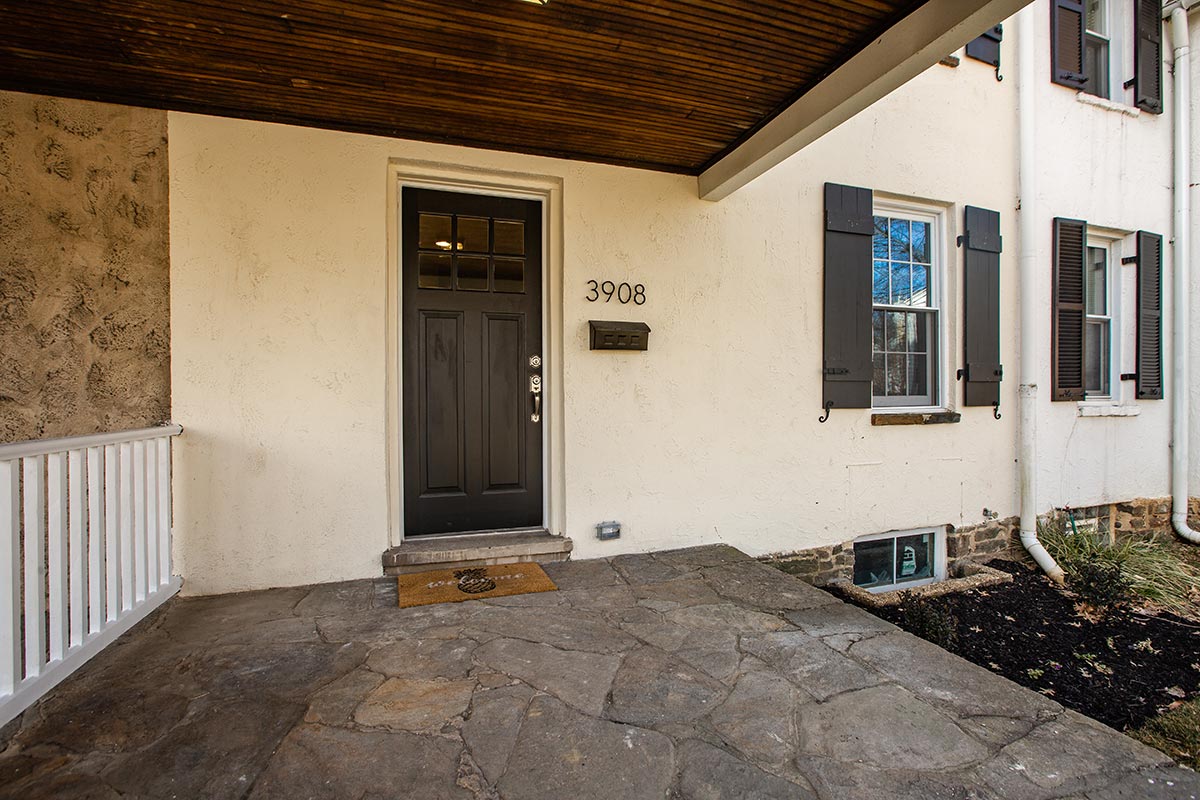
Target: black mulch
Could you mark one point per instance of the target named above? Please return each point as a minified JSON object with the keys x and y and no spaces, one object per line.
{"x":1120,"y":670}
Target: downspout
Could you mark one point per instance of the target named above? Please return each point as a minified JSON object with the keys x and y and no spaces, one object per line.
{"x":1181,"y":387}
{"x":1027,"y":236}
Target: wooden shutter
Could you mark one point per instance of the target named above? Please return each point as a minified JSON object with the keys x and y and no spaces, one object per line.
{"x":1066,"y":43}
{"x":986,"y":48}
{"x":1149,"y":324}
{"x":1069,"y":311}
{"x":1147,"y":56}
{"x":981,"y":307}
{"x":849,"y":225}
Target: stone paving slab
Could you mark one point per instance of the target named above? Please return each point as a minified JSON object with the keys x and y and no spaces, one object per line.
{"x":694,"y":674}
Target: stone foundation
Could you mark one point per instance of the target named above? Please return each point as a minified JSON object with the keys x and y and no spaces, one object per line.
{"x":976,"y":544}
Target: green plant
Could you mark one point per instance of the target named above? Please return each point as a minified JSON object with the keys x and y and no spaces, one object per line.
{"x":1152,"y":568}
{"x":1175,"y":732}
{"x":922,"y":617}
{"x":1101,"y":585}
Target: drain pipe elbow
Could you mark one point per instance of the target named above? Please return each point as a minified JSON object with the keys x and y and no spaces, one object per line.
{"x":1037,"y":551}
{"x":1180,"y":436}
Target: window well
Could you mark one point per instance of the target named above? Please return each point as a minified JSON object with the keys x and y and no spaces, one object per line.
{"x":899,"y":560}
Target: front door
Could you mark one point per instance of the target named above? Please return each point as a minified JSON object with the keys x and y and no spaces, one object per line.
{"x":472,"y":350}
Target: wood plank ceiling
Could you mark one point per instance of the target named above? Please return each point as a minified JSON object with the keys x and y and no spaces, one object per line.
{"x":669,"y":85}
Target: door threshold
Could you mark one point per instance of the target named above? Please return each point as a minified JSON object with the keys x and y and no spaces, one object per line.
{"x":533,"y":529}
{"x":511,"y":546}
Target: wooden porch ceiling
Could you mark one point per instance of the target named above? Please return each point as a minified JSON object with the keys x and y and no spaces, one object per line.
{"x":668,"y":85}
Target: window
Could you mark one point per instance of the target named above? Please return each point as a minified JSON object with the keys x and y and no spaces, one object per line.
{"x":899,"y":560}
{"x":904,"y":309}
{"x":1096,"y":48}
{"x":1109,"y":49}
{"x":1099,"y":322}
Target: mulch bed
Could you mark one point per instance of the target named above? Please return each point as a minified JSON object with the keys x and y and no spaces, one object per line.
{"x":1120,"y":670}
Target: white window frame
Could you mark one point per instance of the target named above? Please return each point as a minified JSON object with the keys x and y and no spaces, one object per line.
{"x":1114,"y":242}
{"x":936,"y":217}
{"x":939,"y":558}
{"x":1120,"y":21}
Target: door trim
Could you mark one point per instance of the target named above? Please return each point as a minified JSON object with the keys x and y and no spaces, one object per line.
{"x":449,"y":177}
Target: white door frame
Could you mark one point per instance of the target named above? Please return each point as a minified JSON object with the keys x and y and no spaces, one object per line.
{"x":548,"y":189}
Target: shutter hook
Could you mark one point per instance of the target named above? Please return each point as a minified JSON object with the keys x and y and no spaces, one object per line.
{"x":996,"y":409}
{"x":999,"y":77}
{"x":825,"y":416}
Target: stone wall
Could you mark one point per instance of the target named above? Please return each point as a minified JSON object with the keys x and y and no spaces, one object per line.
{"x":84,"y":268}
{"x":980,"y":543}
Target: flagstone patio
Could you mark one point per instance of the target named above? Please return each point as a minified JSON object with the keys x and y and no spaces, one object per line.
{"x":692,"y":674}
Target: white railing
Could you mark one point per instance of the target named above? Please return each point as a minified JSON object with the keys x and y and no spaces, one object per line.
{"x":85,"y":551}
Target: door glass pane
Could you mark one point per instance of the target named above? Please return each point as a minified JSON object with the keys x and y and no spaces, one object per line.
{"x":473,"y":273}
{"x":914,"y":557}
{"x":510,"y":238}
{"x":510,"y":274}
{"x":434,"y":233}
{"x":473,"y":234}
{"x":1097,"y":280}
{"x":433,"y":271}
{"x":873,"y":563}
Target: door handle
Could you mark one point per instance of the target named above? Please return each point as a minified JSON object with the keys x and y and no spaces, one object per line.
{"x":535,"y":389}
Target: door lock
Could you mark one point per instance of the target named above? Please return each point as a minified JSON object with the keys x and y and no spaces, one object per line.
{"x":535,"y":389}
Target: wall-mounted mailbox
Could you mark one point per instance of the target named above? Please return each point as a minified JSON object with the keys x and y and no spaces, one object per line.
{"x":618,"y":335}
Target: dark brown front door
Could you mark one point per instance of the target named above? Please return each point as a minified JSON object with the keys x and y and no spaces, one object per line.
{"x":472,"y":334}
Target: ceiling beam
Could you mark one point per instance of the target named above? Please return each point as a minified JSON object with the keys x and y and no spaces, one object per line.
{"x":917,"y":42}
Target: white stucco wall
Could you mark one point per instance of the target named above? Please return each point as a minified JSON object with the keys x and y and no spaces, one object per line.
{"x":279,"y":282}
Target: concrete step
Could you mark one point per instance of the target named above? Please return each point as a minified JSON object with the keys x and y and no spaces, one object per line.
{"x":423,"y":553}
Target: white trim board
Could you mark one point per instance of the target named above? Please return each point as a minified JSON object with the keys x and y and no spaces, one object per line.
{"x":549,"y":190}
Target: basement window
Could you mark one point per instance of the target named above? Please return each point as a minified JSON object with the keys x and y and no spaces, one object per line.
{"x":900,"y":559}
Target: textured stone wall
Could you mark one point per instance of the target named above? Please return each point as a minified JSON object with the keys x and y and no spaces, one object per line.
{"x":84,"y":268}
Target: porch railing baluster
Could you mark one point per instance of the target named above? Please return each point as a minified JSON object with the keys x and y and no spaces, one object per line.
{"x":85,"y":551}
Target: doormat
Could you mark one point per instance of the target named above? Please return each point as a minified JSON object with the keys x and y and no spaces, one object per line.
{"x":471,"y":583}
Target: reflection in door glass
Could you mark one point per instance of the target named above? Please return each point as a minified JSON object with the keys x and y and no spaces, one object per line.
{"x":510,"y":238}
{"x":434,"y":232}
{"x":473,"y":273}
{"x":510,"y":275}
{"x":433,"y":271}
{"x":473,"y":234}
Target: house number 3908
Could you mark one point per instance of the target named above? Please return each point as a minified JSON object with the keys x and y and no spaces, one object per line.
{"x":622,"y":291}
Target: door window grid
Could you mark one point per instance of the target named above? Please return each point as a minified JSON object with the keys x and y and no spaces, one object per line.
{"x":904,"y":314}
{"x":1099,"y":323}
{"x":470,"y":253}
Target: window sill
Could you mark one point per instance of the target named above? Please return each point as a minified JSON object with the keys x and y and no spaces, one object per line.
{"x":1107,"y":410}
{"x":914,"y":418}
{"x":1108,"y":105}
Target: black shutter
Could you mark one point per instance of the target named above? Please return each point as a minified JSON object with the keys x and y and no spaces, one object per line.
{"x":1069,"y":311}
{"x":981,"y":307}
{"x":849,"y":225}
{"x":1149,"y":326}
{"x":1147,"y":56}
{"x":986,"y":48}
{"x":1066,"y":43}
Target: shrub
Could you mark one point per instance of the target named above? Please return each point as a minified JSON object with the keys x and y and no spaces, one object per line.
{"x":924,"y":618}
{"x":1153,"y":571}
{"x":1100,"y":584}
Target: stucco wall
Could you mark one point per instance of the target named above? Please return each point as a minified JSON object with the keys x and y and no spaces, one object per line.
{"x":279,"y":303}
{"x":84,"y":314}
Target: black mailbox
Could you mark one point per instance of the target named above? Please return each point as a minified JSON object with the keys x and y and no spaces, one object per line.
{"x":618,"y":335}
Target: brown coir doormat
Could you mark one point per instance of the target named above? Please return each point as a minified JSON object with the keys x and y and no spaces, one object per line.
{"x":471,"y":583}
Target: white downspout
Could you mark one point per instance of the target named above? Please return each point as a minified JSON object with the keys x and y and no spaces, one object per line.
{"x":1181,"y":387}
{"x":1029,"y":268}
